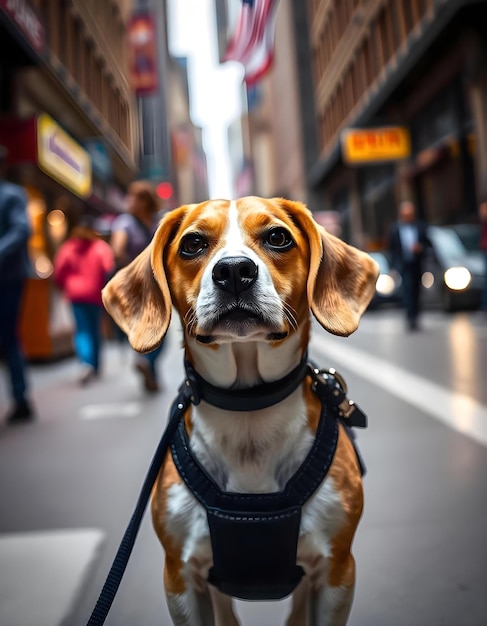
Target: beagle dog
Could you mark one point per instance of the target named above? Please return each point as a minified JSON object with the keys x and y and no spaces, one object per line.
{"x":244,"y":276}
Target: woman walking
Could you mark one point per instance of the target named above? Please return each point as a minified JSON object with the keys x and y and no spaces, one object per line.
{"x":81,"y":268}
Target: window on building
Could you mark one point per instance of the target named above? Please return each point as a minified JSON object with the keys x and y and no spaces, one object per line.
{"x":349,"y":9}
{"x":333,"y":29}
{"x":438,"y":120}
{"x":369,"y":71}
{"x":62,"y":28}
{"x":52,"y":27}
{"x":358,"y":74}
{"x":407,"y":16}
{"x":125,"y":123}
{"x":339,"y":10}
{"x":74,"y":47}
{"x":422,"y":7}
{"x":323,"y":60}
{"x":148,"y":136}
{"x":376,"y":58}
{"x":105,"y":97}
{"x":84,"y":64}
{"x":395,"y":23}
{"x":349,"y":93}
{"x":115,"y":111}
{"x":315,"y":66}
{"x":98,"y":86}
{"x":385,"y":31}
{"x":91,"y":72}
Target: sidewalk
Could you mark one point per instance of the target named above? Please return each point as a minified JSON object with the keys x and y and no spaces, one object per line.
{"x":47,"y":563}
{"x":56,"y":393}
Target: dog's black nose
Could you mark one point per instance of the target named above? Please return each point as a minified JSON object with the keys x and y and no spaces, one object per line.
{"x":234,"y":274}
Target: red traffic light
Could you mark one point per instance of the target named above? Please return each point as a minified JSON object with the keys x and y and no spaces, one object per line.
{"x":164,"y":190}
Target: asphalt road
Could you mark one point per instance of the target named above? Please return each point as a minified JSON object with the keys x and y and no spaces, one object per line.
{"x":69,"y":481}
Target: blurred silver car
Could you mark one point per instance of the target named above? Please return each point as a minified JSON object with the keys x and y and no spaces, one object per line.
{"x":453,"y":273}
{"x":388,"y":286}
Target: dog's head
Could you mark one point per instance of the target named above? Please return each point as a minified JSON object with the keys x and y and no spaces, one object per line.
{"x":249,"y":269}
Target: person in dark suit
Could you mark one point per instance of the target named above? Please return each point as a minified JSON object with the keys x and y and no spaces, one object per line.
{"x":14,"y":269}
{"x":407,"y":243}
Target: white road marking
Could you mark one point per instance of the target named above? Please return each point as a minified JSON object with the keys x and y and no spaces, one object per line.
{"x":42,"y":574}
{"x":110,"y":410}
{"x":457,"y":410}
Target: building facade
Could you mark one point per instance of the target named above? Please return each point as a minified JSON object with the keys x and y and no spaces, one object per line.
{"x":190,"y":177}
{"x":68,"y":118}
{"x":417,"y":64}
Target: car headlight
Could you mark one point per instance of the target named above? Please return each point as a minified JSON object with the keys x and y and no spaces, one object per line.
{"x":457,"y":278}
{"x":385,"y":285}
{"x":428,"y":280}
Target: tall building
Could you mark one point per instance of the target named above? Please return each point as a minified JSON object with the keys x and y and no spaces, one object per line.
{"x":68,"y":118}
{"x":155,"y":147}
{"x":190,"y":177}
{"x":415,"y":64}
{"x":414,"y":67}
{"x":271,"y":157}
{"x":239,"y":135}
{"x":279,"y":102}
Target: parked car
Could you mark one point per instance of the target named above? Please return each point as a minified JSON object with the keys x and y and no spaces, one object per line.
{"x":388,"y":286}
{"x":453,"y":270}
{"x":469,"y":234}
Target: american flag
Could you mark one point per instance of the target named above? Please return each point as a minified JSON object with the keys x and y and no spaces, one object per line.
{"x":253,"y":42}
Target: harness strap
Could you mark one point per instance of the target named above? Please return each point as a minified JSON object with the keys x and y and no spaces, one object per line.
{"x":297,"y":490}
{"x":254,"y":536}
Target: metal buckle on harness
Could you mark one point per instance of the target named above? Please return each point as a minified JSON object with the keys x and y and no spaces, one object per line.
{"x":332,"y":386}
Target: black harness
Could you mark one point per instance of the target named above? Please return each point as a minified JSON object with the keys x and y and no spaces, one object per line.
{"x":254,"y":536}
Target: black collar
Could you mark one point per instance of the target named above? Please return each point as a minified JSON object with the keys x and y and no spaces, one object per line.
{"x":249,"y":399}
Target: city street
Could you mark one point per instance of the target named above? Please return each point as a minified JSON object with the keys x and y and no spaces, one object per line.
{"x":69,"y":481}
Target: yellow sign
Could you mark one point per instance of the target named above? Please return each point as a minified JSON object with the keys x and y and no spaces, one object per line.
{"x":62,"y":158}
{"x":368,"y":145}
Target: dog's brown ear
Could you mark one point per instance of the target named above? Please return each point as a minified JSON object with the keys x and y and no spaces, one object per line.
{"x":138,"y":296}
{"x":341,"y":279}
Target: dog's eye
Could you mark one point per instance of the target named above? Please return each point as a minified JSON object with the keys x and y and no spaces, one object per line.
{"x":192,"y":245}
{"x":278,"y":239}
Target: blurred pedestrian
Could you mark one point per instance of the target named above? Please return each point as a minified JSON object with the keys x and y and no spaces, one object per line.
{"x":81,"y":269}
{"x":131,"y":233}
{"x":483,"y":247}
{"x":14,"y":269}
{"x":407,"y":243}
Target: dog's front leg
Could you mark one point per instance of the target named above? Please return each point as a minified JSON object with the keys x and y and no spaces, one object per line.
{"x":222,"y":608}
{"x":298,"y":615}
{"x":324,"y":595}
{"x":330,"y":604}
{"x":191,"y":608}
{"x":202,"y":608}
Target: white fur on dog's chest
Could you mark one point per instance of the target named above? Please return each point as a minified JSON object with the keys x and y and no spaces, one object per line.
{"x":252,"y":452}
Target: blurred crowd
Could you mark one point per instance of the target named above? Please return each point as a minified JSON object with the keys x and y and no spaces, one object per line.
{"x":83,"y":264}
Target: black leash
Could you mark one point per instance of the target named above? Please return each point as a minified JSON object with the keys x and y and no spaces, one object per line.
{"x":114,"y":578}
